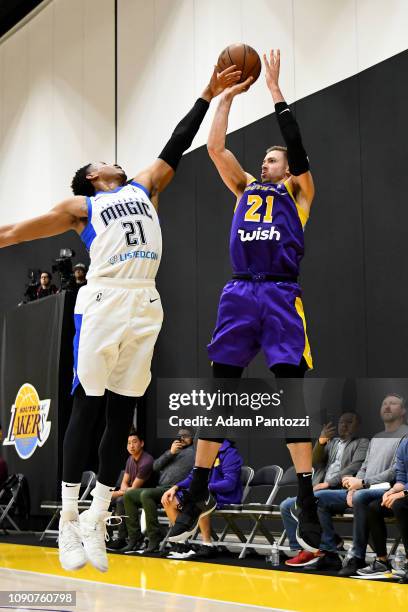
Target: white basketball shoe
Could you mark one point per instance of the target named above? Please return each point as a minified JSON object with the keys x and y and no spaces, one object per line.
{"x":71,"y":552}
{"x":94,"y":536}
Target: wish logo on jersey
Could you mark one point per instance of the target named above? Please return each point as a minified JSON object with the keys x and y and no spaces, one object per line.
{"x":28,"y":427}
{"x":259,"y":234}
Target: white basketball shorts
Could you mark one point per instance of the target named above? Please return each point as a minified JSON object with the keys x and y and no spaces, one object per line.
{"x":117,"y":322}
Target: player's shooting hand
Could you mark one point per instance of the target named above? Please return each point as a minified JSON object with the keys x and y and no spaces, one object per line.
{"x":221,"y":80}
{"x":272,"y":68}
{"x":235,"y":90}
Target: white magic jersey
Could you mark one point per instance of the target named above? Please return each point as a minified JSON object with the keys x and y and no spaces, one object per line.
{"x":123,"y":234}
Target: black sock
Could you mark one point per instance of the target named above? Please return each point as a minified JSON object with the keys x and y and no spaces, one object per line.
{"x":305,"y":495}
{"x":199,"y":485}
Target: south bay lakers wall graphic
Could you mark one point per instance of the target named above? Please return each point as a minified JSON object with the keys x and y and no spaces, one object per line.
{"x":28,"y":427}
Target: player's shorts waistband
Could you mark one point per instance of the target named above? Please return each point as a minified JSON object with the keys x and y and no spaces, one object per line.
{"x":260,"y":278}
{"x":121,"y":283}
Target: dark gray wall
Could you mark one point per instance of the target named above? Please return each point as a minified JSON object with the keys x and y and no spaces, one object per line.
{"x":354,"y":274}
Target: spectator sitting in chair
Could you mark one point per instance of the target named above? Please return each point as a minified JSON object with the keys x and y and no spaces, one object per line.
{"x":359,"y":491}
{"x":138,"y":470}
{"x":394,"y":503}
{"x":225,"y":485}
{"x":333,"y":458}
{"x":172,"y":466}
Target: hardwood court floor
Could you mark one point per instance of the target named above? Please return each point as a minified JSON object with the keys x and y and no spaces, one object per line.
{"x":164,"y":585}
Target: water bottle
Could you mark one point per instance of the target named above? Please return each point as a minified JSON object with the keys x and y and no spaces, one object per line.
{"x":273,"y":558}
{"x":399,"y":560}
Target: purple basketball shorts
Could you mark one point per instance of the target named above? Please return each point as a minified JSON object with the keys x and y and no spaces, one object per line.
{"x":260,"y":315}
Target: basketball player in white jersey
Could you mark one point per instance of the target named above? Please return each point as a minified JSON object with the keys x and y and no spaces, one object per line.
{"x":118,"y":316}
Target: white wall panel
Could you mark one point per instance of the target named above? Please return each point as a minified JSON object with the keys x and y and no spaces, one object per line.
{"x":57,"y":90}
{"x":40,"y":98}
{"x":99,"y":79}
{"x":382,"y":30}
{"x":217,"y":25}
{"x":138,"y":90}
{"x":268,"y":24}
{"x":14,"y":159}
{"x":83,"y":78}
{"x":325,"y":44}
{"x":156,"y":86}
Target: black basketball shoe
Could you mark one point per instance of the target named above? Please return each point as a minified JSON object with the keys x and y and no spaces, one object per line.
{"x":187,"y":520}
{"x":308,"y":531}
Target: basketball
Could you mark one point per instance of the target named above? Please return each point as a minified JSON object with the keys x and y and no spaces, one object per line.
{"x":244,"y":57}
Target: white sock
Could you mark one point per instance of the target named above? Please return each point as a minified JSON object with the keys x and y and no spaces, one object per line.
{"x":69,"y":495}
{"x":102,"y":496}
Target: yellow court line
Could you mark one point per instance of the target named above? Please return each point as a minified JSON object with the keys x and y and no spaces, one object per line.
{"x":259,"y":587}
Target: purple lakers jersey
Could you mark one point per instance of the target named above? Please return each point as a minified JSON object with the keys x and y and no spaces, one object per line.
{"x":267,"y":231}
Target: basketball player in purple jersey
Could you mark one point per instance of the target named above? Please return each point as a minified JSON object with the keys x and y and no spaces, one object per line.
{"x":261,"y":307}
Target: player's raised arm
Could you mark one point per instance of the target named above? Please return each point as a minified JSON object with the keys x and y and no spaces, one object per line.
{"x":69,"y":214}
{"x":226,"y":163}
{"x":301,"y":179}
{"x":157,"y":176}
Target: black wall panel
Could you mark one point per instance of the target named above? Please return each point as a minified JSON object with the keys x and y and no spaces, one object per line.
{"x":215,"y":205}
{"x":384,"y":147}
{"x":176,"y":350}
{"x":333,"y":270}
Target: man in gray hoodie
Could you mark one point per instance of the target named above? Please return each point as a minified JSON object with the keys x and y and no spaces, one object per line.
{"x":357,"y":491}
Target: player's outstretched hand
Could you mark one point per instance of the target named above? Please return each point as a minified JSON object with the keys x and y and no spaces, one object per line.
{"x":221,"y":80}
{"x":272,"y":68}
{"x":231,"y":92}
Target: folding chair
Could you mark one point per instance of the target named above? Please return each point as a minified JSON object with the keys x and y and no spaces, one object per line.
{"x":270,"y":476}
{"x":8,"y":500}
{"x":228,"y":511}
{"x":88,"y":481}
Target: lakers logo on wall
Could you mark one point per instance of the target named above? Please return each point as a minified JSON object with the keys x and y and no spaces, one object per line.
{"x":28,"y":427}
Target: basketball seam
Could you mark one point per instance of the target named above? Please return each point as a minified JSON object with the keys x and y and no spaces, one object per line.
{"x":229,"y":55}
{"x":243,"y":67}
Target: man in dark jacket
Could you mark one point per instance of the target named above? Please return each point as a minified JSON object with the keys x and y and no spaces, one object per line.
{"x":226,"y":487}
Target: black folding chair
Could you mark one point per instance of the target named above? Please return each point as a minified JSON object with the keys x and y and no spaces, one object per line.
{"x":267,"y":476}
{"x":228,"y":511}
{"x":8,"y":500}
